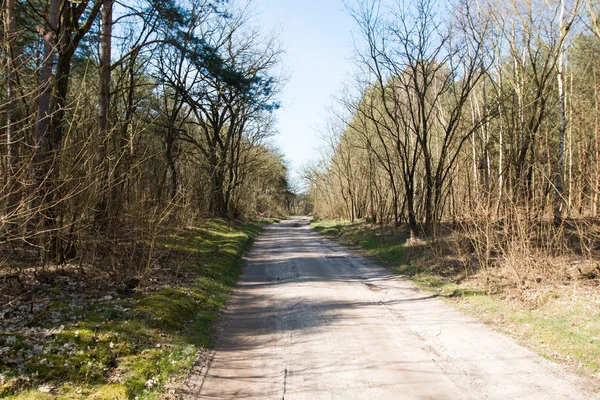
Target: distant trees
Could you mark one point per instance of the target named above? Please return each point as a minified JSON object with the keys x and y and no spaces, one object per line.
{"x":419,"y":74}
{"x":116,"y":116}
{"x":474,"y":112}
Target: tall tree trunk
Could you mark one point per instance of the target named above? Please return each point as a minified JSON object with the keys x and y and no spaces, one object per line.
{"x":103,"y":110}
{"x":52,"y":199}
{"x":43,"y":105}
{"x":12,"y":132}
{"x":410,"y":208}
{"x":71,"y":33}
{"x":217,"y":204}
{"x":474,"y":156}
{"x":558,"y":180}
{"x":44,"y":116}
{"x":596,"y":198}
{"x":486,"y":140}
{"x":172,"y":167}
{"x":570,"y":173}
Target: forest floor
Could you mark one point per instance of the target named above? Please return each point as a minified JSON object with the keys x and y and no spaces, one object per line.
{"x":75,"y":331}
{"x":559,"y":319}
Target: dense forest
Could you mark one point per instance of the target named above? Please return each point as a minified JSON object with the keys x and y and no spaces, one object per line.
{"x":120,"y":116}
{"x":478,"y":117}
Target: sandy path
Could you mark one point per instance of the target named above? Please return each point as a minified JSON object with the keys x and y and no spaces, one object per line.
{"x":311,"y":320}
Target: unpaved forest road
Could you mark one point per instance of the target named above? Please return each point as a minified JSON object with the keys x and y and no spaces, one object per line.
{"x":310,"y":320}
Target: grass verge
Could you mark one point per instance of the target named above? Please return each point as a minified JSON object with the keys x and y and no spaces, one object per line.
{"x":560,"y":320}
{"x":117,"y":345}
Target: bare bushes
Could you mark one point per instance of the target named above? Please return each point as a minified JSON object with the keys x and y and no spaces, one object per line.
{"x":99,"y":159}
{"x":459,"y":119}
{"x":521,"y":249}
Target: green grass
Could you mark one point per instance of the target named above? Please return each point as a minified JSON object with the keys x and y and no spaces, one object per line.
{"x":564,"y":328}
{"x":133,"y":347}
{"x":564,"y":325}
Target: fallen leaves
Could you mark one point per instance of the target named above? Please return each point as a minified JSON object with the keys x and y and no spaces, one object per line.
{"x":151,"y":383}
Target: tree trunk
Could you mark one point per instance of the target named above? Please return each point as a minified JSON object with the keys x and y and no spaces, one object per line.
{"x":558,"y":180}
{"x":174,"y":175}
{"x":52,"y":199}
{"x":70,"y":36}
{"x":412,"y":219}
{"x":103,"y":110}
{"x":12,"y":135}
{"x":43,"y":108}
{"x":218,"y":206}
{"x":596,"y":198}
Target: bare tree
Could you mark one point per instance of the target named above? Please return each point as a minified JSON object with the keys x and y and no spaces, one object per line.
{"x":564,"y":24}
{"x":424,"y":73}
{"x":228,"y":108}
{"x":13,"y":136}
{"x":103,"y":109}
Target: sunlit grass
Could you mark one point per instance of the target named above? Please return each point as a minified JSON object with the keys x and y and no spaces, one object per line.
{"x":564,"y":328}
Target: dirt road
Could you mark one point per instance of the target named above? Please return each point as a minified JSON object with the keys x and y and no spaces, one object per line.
{"x":310,"y":320}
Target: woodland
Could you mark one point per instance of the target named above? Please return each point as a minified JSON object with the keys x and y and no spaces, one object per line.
{"x":136,"y":168}
{"x":475,"y":122}
{"x":118,"y":117}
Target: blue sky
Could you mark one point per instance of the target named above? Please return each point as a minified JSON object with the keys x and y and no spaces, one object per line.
{"x":316,"y":36}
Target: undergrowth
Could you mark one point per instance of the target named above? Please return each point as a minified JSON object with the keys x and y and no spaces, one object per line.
{"x":120,"y":346}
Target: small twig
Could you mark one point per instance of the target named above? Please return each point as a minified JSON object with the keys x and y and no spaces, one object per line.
{"x":298,"y":303}
{"x":16,"y":298}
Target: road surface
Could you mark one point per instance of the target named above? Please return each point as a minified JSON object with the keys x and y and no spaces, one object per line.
{"x":311,"y":320}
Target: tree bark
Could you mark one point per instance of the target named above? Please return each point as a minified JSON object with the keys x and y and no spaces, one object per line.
{"x":12,"y":132}
{"x":103,"y":110}
{"x":43,"y":109}
{"x":49,"y":131}
{"x":558,"y":180}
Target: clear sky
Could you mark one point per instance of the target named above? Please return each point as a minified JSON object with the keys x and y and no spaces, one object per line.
{"x":316,"y":35}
